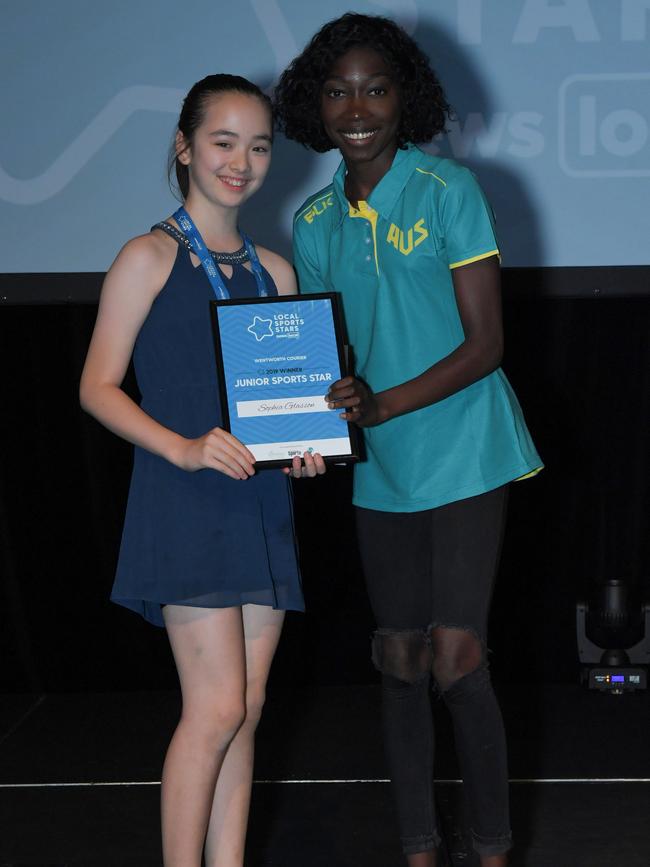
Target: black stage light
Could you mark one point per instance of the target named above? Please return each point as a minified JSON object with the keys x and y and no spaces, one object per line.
{"x":614,"y":639}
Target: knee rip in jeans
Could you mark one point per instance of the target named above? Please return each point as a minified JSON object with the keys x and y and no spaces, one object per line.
{"x":458,"y":652}
{"x":404,"y":654}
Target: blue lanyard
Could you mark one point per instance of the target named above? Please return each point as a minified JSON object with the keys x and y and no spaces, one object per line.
{"x":209,"y":266}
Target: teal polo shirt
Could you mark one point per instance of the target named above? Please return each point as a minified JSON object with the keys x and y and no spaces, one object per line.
{"x":391,"y":260}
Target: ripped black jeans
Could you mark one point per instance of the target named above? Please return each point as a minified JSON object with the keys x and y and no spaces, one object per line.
{"x":429,"y":576}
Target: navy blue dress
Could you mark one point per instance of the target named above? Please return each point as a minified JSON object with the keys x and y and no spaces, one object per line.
{"x":199,"y":538}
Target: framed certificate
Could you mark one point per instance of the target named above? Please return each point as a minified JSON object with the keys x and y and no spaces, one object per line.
{"x":276,"y":358}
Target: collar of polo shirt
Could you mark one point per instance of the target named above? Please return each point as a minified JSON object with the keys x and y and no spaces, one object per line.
{"x":387,"y":192}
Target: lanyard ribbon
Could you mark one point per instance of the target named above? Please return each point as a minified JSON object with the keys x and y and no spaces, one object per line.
{"x":209,"y":266}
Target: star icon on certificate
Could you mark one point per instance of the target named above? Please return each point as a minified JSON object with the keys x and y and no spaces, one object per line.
{"x":261,"y":328}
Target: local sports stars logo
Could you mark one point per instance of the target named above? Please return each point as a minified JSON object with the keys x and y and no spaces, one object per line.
{"x":281,"y":325}
{"x":261,"y":328}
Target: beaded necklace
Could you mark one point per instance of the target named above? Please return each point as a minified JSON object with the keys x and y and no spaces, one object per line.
{"x":237,"y":258}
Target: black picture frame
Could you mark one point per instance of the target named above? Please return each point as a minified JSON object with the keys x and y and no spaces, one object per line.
{"x":350,"y":455}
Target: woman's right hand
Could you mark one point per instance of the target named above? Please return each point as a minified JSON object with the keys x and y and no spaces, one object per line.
{"x":217,"y":450}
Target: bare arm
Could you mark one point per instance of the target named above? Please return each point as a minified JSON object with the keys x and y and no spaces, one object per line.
{"x":130,"y":288}
{"x":281,"y":271}
{"x":478,"y":295}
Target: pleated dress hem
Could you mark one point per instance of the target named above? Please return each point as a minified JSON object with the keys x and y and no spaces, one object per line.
{"x":151,"y":609}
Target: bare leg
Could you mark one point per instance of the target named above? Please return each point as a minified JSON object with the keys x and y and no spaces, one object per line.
{"x":494,"y":860}
{"x":226,"y":836}
{"x":208,"y":647}
{"x":422,"y":859}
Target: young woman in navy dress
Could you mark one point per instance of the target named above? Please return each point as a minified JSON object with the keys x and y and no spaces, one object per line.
{"x":208,"y":545}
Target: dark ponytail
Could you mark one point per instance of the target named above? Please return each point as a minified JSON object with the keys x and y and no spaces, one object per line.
{"x":192,"y":114}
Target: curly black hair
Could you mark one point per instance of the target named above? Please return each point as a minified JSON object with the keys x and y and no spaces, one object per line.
{"x":298,"y":94}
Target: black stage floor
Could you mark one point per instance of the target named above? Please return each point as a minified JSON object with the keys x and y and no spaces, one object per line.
{"x":79,"y":780}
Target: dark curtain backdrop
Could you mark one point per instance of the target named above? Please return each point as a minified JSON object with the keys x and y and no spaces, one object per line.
{"x":581,"y":368}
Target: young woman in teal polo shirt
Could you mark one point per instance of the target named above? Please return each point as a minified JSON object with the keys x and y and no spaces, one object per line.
{"x":408,"y":241}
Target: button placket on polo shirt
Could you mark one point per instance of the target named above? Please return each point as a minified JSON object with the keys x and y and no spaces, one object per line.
{"x":368,"y":240}
{"x":369,"y":264}
{"x":367,"y":250}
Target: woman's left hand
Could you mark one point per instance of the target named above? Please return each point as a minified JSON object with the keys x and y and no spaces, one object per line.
{"x":308,"y":466}
{"x":360,"y":404}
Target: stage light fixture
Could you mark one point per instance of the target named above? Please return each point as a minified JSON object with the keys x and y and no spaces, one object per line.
{"x":614,"y":639}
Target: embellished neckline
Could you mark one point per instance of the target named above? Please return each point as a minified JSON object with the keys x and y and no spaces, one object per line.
{"x":238,"y":257}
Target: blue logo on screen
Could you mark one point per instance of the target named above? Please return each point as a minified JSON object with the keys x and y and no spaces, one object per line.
{"x":261,"y":328}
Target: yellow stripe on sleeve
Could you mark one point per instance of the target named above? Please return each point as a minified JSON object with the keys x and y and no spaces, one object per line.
{"x":475,"y":259}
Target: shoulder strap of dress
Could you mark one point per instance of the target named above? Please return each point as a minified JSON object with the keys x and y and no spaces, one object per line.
{"x":174,"y":233}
